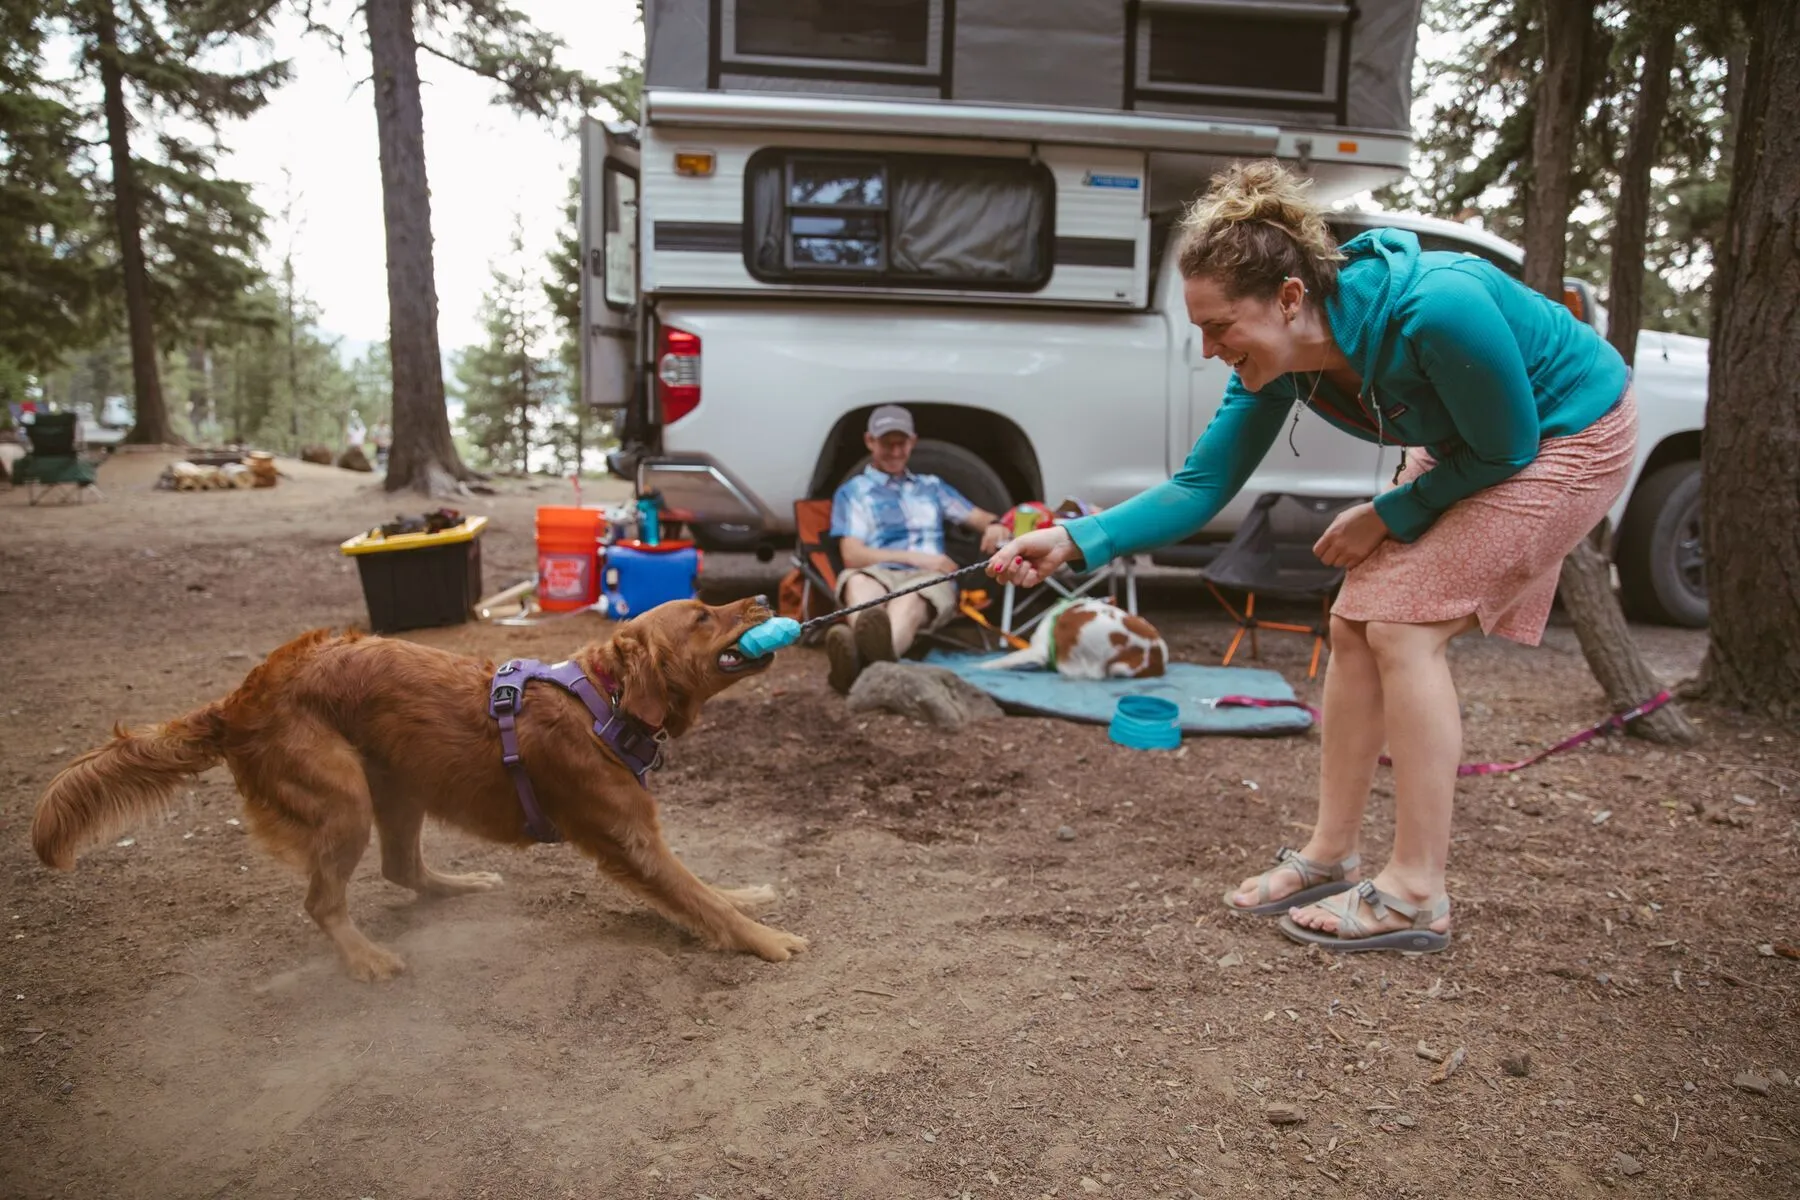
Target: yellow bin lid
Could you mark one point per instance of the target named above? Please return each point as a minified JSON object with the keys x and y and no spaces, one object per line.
{"x":375,"y":543}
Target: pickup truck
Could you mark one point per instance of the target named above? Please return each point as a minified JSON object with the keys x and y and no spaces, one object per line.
{"x":1014,"y":403}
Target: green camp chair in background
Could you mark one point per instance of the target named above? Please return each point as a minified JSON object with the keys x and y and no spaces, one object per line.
{"x":55,"y":462}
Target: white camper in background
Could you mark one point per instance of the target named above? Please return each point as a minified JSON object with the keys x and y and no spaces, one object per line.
{"x":963,"y":206}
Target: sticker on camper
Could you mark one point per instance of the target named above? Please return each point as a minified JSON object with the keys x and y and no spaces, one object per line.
{"x":1127,"y":182}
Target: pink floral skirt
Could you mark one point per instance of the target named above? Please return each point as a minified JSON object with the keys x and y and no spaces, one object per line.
{"x":1498,"y":553}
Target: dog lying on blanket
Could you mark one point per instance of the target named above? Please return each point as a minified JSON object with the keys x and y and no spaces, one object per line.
{"x":1091,"y":639}
{"x":333,"y":736}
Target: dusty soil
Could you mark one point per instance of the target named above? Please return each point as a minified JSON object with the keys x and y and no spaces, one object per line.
{"x":987,"y":1010}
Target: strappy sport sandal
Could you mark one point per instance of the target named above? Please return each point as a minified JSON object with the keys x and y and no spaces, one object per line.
{"x":1317,"y":881}
{"x":1353,"y":935}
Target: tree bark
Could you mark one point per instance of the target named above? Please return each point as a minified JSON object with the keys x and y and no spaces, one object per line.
{"x":1632,"y":217}
{"x":1750,"y":465}
{"x":1558,"y":104}
{"x":1585,"y":584}
{"x":423,"y":455}
{"x":1587,"y":592}
{"x":152,"y":425}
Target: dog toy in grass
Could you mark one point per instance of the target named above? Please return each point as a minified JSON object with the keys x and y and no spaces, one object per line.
{"x":769,"y":637}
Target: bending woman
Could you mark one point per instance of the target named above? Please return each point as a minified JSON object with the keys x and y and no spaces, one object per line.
{"x":1524,"y":431}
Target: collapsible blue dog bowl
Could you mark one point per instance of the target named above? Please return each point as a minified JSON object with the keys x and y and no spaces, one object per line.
{"x":1146,"y":723}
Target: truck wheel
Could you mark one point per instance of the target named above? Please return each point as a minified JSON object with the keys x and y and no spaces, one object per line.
{"x":962,"y":469}
{"x":1661,"y":567}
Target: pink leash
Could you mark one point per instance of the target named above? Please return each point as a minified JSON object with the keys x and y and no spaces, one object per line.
{"x":1611,"y":725}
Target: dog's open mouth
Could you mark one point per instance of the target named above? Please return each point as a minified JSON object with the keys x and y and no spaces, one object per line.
{"x":733,"y":661}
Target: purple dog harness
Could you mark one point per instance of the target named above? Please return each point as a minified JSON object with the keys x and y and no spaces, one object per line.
{"x":638,"y":748}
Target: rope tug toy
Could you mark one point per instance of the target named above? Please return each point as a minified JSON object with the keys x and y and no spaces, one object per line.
{"x":778,"y":632}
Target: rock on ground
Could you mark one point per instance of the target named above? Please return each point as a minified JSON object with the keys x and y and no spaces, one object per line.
{"x":930,"y":694}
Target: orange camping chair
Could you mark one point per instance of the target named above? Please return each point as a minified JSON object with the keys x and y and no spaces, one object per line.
{"x":817,"y":560}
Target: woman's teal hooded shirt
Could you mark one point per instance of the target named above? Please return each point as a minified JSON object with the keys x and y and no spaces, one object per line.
{"x":1454,"y":356}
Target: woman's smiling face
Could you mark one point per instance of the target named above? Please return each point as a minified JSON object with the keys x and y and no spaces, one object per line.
{"x":1253,"y":337}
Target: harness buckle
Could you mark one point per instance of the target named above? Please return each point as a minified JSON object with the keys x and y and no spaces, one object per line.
{"x":505,"y":700}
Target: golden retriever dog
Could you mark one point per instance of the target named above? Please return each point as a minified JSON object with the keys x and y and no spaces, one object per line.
{"x":331,"y":737}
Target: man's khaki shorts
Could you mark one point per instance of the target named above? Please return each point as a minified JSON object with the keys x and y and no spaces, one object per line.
{"x":941,"y":599}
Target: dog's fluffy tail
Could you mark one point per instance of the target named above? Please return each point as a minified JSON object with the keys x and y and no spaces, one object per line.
{"x":129,"y":778}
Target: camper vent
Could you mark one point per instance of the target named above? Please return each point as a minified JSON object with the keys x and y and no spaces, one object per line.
{"x":1277,"y":54}
{"x":832,"y":39}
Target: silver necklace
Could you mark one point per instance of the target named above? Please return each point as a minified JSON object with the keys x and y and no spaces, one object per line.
{"x":1306,"y":403}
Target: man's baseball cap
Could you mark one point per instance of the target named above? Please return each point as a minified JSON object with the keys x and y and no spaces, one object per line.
{"x":890,"y":418}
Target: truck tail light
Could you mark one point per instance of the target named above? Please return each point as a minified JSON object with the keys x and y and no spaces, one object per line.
{"x":677,"y":373}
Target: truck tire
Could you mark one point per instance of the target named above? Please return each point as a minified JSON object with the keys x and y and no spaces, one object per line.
{"x":1659,"y":553}
{"x":962,"y":469}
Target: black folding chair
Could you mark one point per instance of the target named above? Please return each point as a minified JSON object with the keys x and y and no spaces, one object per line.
{"x":1271,"y":556}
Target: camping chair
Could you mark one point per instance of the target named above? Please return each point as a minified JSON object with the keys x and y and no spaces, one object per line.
{"x":816,"y":558}
{"x":54,"y":461}
{"x":1271,"y":556}
{"x":1019,"y":616}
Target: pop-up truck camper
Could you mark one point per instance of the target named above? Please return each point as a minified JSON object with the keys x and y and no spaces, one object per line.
{"x":964,"y":206}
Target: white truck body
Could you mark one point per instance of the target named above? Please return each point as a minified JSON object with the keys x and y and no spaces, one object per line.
{"x":745,"y":364}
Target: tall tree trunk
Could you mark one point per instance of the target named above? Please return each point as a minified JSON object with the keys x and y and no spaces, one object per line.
{"x":152,"y":427}
{"x":1737,"y":62}
{"x":423,"y":456}
{"x":1632,"y":217}
{"x":1586,"y":581}
{"x":1750,"y":467}
{"x":1559,"y":103}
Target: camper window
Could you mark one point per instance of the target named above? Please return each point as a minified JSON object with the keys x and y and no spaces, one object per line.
{"x":1282,"y":55}
{"x":899,"y":220}
{"x":892,"y":35}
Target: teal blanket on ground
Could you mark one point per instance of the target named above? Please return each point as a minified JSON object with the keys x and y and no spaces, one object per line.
{"x":1045,"y":693}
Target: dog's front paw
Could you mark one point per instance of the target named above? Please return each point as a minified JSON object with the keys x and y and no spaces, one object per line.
{"x":773,"y":945}
{"x":373,"y":965}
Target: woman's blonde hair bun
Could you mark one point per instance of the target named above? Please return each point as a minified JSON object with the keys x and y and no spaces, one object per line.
{"x":1255,"y":226}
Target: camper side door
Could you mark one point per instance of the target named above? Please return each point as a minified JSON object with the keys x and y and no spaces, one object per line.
{"x":610,"y":306}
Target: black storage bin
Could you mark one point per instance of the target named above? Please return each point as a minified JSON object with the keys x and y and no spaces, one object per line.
{"x":418,"y":580}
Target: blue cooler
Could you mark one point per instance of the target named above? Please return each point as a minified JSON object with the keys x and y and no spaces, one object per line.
{"x":637,"y":577}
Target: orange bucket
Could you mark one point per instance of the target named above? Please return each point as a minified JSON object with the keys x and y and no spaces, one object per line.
{"x":568,"y":548}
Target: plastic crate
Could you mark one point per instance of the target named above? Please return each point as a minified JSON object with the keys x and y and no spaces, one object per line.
{"x":418,"y":580}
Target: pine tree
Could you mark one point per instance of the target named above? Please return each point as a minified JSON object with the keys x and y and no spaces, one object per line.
{"x":1558,"y":98}
{"x":1473,"y":154}
{"x":508,"y":384}
{"x":184,"y":239}
{"x":1751,"y":472}
{"x":562,"y":289}
{"x":50,"y":266}
{"x":497,"y":43}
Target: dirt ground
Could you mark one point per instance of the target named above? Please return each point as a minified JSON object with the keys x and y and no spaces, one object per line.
{"x":988,"y":1009}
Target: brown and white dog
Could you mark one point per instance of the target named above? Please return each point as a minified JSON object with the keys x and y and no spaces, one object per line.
{"x":332,"y":738}
{"x":1092,"y":639}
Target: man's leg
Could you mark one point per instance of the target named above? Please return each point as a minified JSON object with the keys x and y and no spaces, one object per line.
{"x":841,"y":649}
{"x":906,"y":616}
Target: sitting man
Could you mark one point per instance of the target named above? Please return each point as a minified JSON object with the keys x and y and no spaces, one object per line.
{"x":889,"y":523}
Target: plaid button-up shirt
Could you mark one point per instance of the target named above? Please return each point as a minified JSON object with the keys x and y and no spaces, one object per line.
{"x":903,"y":512}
